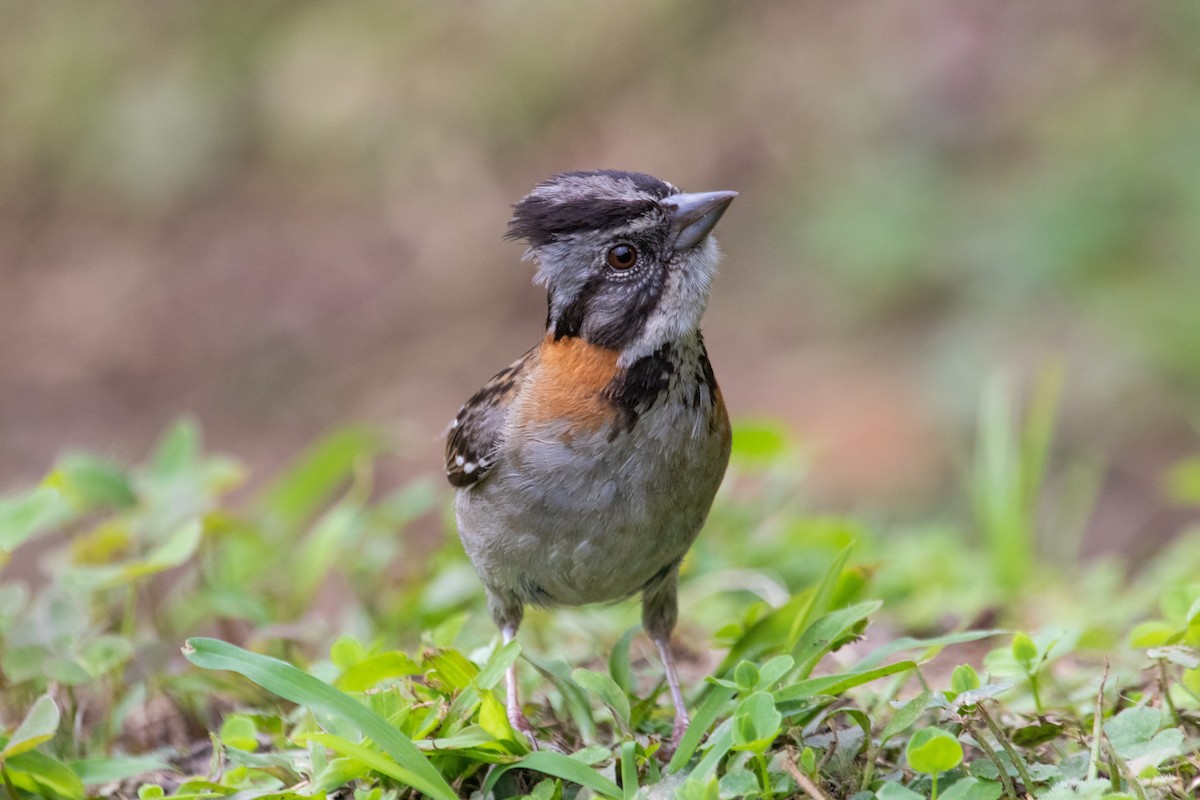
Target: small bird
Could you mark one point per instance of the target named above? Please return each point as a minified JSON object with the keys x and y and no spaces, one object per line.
{"x":586,"y":468}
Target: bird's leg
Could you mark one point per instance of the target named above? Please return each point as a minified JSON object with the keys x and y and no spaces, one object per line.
{"x":681,"y":716}
{"x":507,"y":611}
{"x":512,"y":702}
{"x":660,"y":609}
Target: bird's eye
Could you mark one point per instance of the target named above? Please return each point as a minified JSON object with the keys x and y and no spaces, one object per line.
{"x":622,"y":257}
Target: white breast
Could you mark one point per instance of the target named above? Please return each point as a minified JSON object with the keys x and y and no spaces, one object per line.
{"x":566,"y":518}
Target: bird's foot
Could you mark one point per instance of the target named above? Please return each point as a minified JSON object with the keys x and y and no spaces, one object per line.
{"x":667,"y":751}
{"x":521,"y":724}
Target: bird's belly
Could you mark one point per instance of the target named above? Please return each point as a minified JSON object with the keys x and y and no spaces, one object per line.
{"x":572,"y":519}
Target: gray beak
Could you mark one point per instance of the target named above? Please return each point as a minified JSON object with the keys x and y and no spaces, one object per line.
{"x":694,"y":215}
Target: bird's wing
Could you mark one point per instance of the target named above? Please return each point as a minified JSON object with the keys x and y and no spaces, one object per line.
{"x":475,"y":432}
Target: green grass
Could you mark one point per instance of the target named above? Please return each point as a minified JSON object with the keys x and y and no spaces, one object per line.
{"x":176,"y":643}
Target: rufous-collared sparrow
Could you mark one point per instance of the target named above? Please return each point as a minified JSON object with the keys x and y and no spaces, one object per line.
{"x":586,"y":468}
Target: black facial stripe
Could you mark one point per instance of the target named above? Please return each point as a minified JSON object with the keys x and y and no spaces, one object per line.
{"x":541,"y":221}
{"x":627,"y":322}
{"x":636,"y":389}
{"x":570,"y":321}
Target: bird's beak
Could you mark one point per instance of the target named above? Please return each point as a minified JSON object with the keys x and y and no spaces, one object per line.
{"x":694,"y":215}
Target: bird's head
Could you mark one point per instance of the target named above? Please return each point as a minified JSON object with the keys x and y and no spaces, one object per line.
{"x":626,"y":259}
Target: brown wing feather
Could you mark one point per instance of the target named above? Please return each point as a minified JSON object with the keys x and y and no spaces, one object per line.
{"x":475,"y":431}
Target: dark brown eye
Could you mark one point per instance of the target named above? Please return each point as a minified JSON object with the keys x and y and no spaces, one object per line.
{"x":622,"y":257}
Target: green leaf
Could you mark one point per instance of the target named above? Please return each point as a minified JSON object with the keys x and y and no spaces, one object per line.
{"x":896,"y":791}
{"x":905,"y":716}
{"x":178,"y":450}
{"x":964,"y":679}
{"x":43,"y":776}
{"x":493,"y":671}
{"x":719,"y":744}
{"x":93,"y":771}
{"x":376,"y":761}
{"x":1153,"y":633}
{"x":1133,"y":726}
{"x":745,"y":676}
{"x":452,"y":669}
{"x":493,"y":718}
{"x":39,"y":725}
{"x":795,"y":693}
{"x":374,"y":670}
{"x":972,"y":789}
{"x":291,"y":684}
{"x":829,"y":632}
{"x":931,"y":645}
{"x":969,"y":698}
{"x":695,"y":789}
{"x":1038,"y":733}
{"x":607,"y":690}
{"x":239,"y":732}
{"x":932,"y":750}
{"x":38,"y":511}
{"x":739,"y":782}
{"x":618,"y":660}
{"x":1024,"y":651}
{"x":318,"y":554}
{"x":714,"y":701}
{"x":559,"y":766}
{"x":756,"y":723}
{"x":346,"y":652}
{"x":91,"y":482}
{"x":770,"y":672}
{"x":1135,"y":736}
{"x":782,"y":627}
{"x":309,"y":483}
{"x":629,"y":772}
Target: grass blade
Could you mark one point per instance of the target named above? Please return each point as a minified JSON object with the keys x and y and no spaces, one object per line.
{"x":716,"y":699}
{"x":291,"y":684}
{"x":827,"y":631}
{"x":933,"y":643}
{"x":629,"y":773}
{"x":376,"y":761}
{"x":556,"y":765}
{"x":836,"y":684}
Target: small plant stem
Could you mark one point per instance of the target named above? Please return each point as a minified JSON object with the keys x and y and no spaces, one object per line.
{"x":1033,"y":687}
{"x":1164,"y":688}
{"x":1097,"y":727}
{"x":869,"y":770}
{"x":933,"y":780}
{"x":921,"y":679}
{"x":1121,"y":766}
{"x":766,"y":776}
{"x":1017,"y":761}
{"x":1010,"y":790}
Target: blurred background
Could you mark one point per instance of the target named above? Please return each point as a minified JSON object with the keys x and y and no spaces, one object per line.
{"x":280,"y":216}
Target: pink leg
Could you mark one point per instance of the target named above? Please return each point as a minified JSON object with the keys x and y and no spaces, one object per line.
{"x":681,"y":715}
{"x":516,"y":717}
